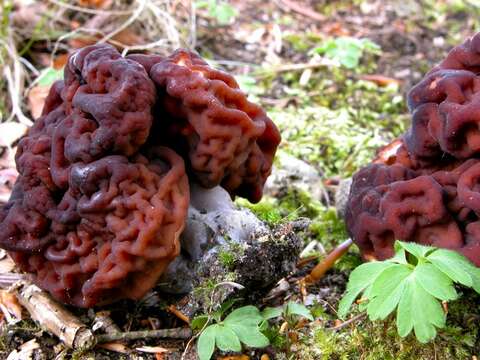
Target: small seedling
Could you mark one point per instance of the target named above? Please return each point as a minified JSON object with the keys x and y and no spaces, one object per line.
{"x":241,"y":326}
{"x":347,"y":51}
{"x":289,"y":312}
{"x":414,"y":282}
{"x":222,"y":11}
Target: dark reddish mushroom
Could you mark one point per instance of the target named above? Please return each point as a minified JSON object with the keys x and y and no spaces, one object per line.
{"x":103,"y":193}
{"x":425,"y":187}
{"x":206,"y":117}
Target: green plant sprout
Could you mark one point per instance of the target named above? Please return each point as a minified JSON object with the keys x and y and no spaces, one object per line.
{"x":241,"y":326}
{"x":222,"y":11}
{"x":414,"y":282}
{"x":289,"y":312}
{"x":347,"y":51}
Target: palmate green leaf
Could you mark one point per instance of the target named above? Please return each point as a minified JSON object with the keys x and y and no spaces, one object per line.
{"x":360,"y":279}
{"x":419,"y":310}
{"x":387,"y":290}
{"x":199,"y":322}
{"x":298,"y":309}
{"x":400,"y":256}
{"x":246,"y":315}
{"x":250,"y":336}
{"x":270,"y":312}
{"x":435,"y":282}
{"x":226,"y":339}
{"x":416,"y":249}
{"x":454,"y":265}
{"x":206,"y":342}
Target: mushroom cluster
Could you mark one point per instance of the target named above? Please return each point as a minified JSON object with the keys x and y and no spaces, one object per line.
{"x":103,"y":187}
{"x":425,"y":186}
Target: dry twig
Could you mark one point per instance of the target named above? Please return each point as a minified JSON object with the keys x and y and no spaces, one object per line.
{"x":175,"y":333}
{"x":327,"y":263}
{"x":53,"y":317}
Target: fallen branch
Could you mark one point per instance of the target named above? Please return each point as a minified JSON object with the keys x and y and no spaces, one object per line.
{"x":53,"y":317}
{"x":346,"y":323}
{"x":327,"y":263}
{"x":302,"y":10}
{"x":175,"y":333}
{"x":178,"y":314}
{"x":8,"y":279}
{"x":104,"y":321}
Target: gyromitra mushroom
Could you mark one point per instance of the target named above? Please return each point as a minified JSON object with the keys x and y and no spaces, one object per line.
{"x":103,"y":192}
{"x":425,"y":186}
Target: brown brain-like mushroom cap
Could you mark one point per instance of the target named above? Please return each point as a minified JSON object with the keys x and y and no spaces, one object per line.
{"x":425,"y":187}
{"x":228,"y":140}
{"x":91,"y":216}
{"x":114,"y":231}
{"x":102,"y":195}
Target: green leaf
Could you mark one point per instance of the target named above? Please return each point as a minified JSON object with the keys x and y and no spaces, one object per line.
{"x":206,"y":342}
{"x":49,"y":75}
{"x":420,"y":310}
{"x":199,"y":322}
{"x":250,"y":336}
{"x":400,"y":256}
{"x":227,"y":305}
{"x":416,"y":249}
{"x":298,"y":309}
{"x":225,"y":13}
{"x":435,"y":282}
{"x":346,"y":50}
{"x":270,"y":312}
{"x":452,"y":264}
{"x":244,"y":315}
{"x":226,"y":339}
{"x":360,"y":279}
{"x":386,"y":291}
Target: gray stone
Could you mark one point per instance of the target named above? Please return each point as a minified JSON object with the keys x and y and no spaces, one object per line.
{"x":292,"y":173}
{"x":257,"y":256}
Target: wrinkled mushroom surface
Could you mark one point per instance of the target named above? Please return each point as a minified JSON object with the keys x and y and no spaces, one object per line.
{"x":103,"y":187}
{"x":425,"y":186}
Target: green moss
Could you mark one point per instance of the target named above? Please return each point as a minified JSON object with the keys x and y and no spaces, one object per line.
{"x":379,"y":340}
{"x":328,"y":225}
{"x":227,"y":258}
{"x":266,"y":210}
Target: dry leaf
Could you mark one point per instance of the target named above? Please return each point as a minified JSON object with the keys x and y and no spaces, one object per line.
{"x":7,"y":158}
{"x":60,"y":61}
{"x":380,"y":80}
{"x":125,"y":37}
{"x":25,"y":351}
{"x":152,"y":349}
{"x":7,"y":179}
{"x":115,"y":346}
{"x":36,"y":99}
{"x":6,"y":262}
{"x":99,"y":4}
{"x":234,"y":357}
{"x":11,"y":131}
{"x":11,"y":304}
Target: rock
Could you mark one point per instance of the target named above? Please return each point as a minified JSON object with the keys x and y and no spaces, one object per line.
{"x":229,"y":247}
{"x":295,"y":174}
{"x":341,"y":196}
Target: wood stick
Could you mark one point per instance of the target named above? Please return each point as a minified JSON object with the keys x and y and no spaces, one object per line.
{"x":8,"y":279}
{"x":327,"y":263}
{"x":346,"y":323}
{"x":53,"y":317}
{"x":175,"y":333}
{"x":305,"y":11}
